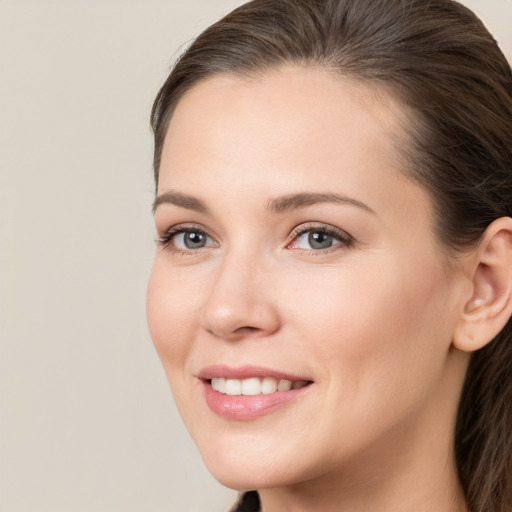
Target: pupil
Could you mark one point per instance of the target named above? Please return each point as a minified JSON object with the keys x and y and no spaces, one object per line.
{"x":194,"y":240}
{"x":319,"y":240}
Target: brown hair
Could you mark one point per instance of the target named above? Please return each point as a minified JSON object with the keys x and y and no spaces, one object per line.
{"x":439,"y":60}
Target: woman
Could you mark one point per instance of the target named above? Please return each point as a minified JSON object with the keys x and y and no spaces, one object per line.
{"x":332,"y":289}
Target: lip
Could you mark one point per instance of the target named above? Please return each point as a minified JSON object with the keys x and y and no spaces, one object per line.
{"x":246,"y":408}
{"x":246,"y":372}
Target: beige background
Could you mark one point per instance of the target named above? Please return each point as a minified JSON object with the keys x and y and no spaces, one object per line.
{"x":86,"y":420}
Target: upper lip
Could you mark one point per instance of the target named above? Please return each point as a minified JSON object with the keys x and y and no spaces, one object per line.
{"x":246,"y":372}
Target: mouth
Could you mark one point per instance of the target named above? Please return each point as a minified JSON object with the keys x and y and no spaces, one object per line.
{"x":255,"y":385}
{"x":250,"y":392}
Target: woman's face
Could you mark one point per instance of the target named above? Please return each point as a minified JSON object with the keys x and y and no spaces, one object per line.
{"x":294,"y":249}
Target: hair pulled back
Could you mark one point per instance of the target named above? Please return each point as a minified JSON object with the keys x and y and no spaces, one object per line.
{"x":437,"y":58}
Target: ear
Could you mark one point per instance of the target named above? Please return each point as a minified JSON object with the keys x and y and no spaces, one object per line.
{"x":490,"y":306}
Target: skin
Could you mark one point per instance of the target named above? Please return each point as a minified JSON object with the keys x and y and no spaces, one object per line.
{"x":371,"y":321}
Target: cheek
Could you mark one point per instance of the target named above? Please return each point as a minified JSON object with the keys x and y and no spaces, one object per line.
{"x":382,"y":327}
{"x":170,"y":315}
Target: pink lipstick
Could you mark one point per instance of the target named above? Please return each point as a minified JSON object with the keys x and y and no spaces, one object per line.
{"x":248,"y":392}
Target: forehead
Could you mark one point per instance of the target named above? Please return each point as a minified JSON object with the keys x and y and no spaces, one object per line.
{"x":299,"y":101}
{"x":300,"y":126}
{"x":307,"y":97}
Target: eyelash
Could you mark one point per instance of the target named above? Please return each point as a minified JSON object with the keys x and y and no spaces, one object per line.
{"x":345,"y":240}
{"x":166,"y":239}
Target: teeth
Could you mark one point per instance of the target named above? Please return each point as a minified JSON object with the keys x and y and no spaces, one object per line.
{"x":254,"y":386}
{"x":233,"y":387}
{"x":284,"y":385}
{"x":268,"y":385}
{"x":219,"y":385}
{"x":251,"y":387}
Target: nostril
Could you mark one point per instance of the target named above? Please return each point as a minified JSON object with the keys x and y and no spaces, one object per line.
{"x":250,"y":332}
{"x":248,"y":329}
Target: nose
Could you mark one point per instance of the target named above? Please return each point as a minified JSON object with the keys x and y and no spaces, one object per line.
{"x":240,"y":302}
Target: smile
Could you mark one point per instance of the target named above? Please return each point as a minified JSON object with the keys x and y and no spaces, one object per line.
{"x":250,"y":392}
{"x":254,"y":385}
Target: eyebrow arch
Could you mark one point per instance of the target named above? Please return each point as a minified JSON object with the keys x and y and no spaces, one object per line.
{"x":283,"y":204}
{"x":179,"y":199}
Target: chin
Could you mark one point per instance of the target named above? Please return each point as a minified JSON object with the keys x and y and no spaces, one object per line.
{"x":241,"y":469}
{"x":246,"y":481}
{"x":249,"y":477}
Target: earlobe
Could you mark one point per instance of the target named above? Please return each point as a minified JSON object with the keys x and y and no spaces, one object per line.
{"x":489,"y":307}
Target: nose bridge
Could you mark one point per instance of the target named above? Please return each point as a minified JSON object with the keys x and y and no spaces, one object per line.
{"x":239,"y":302}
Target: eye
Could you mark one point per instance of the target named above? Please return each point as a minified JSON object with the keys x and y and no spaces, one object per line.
{"x":186,"y":239}
{"x":316,"y":240}
{"x":191,"y":240}
{"x":319,"y":238}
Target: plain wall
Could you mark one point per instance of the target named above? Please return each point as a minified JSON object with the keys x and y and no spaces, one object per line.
{"x":87,"y":423}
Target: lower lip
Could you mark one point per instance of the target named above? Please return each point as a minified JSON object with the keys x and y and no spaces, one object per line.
{"x":245,"y":407}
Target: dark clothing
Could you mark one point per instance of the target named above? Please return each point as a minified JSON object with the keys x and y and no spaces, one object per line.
{"x":248,"y":502}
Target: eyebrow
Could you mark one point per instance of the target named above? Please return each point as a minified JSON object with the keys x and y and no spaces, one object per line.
{"x":281,"y":204}
{"x":182,"y":200}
